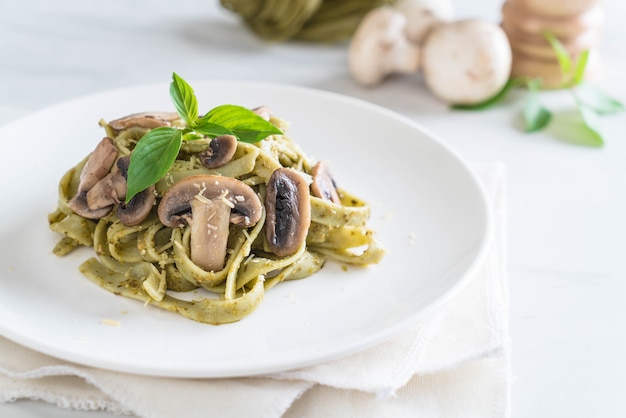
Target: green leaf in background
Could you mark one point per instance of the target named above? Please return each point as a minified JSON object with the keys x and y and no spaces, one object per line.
{"x":581,"y":66}
{"x":592,"y":135}
{"x":510,"y":84}
{"x":581,"y":125}
{"x":577,"y":127}
{"x":536,"y":117}
{"x":152,"y":158}
{"x":246,"y":125}
{"x":565,"y":61}
{"x":597,"y":100}
{"x":184,"y":100}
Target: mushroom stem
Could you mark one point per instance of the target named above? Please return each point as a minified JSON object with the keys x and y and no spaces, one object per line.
{"x":209,"y":232}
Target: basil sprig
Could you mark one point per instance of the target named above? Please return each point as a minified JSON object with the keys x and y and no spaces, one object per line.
{"x":584,"y":128}
{"x":536,"y":116}
{"x":157,"y":150}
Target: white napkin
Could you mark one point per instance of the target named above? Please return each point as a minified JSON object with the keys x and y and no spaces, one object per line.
{"x":453,"y":363}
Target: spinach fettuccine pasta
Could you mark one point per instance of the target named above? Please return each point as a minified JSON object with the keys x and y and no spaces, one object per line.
{"x":231,"y":217}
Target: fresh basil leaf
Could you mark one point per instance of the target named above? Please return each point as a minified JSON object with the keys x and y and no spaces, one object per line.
{"x":592,"y":135}
{"x":597,"y":100}
{"x":536,"y":117}
{"x":510,"y":84}
{"x":562,"y":55}
{"x":246,"y":125}
{"x":581,"y":65}
{"x":152,"y":157}
{"x":184,"y":100}
{"x":211,"y":130}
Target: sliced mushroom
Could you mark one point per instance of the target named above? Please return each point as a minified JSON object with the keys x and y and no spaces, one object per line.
{"x":208,"y":203}
{"x":139,"y":207}
{"x":98,"y":164}
{"x":221,"y":151}
{"x":108,"y":191}
{"x":246,"y":207}
{"x":263,"y":111}
{"x":95,"y":169}
{"x":122,"y":165}
{"x":288,"y":208}
{"x":323,"y":185}
{"x":111,"y":190}
{"x":79,"y":205}
{"x":149,"y":120}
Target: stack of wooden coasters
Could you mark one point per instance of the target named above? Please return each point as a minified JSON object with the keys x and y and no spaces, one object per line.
{"x":575,"y":23}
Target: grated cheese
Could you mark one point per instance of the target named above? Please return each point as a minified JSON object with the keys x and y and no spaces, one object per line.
{"x":110,"y":322}
{"x":247,"y":260}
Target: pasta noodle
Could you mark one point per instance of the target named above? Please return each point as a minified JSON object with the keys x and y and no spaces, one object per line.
{"x":155,"y":263}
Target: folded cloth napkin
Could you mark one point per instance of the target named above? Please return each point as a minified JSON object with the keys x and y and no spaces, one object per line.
{"x":454,"y":362}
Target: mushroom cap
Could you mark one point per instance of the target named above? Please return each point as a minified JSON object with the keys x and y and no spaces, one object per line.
{"x":288,"y":212}
{"x":466,"y":62}
{"x":221,"y":150}
{"x":424,"y":15}
{"x":175,"y":206}
{"x":442,"y":9}
{"x":79,"y":205}
{"x":263,"y":111}
{"x":380,"y":47}
{"x":149,"y":120}
{"x":138,"y":209}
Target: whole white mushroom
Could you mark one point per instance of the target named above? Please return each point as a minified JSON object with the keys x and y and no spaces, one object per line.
{"x":423,"y":15}
{"x":380,"y":47}
{"x":466,"y":62}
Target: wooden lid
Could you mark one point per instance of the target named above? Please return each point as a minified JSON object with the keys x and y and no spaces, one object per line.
{"x":555,"y":8}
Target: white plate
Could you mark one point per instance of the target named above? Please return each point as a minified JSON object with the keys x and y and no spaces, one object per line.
{"x":428,"y":209}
